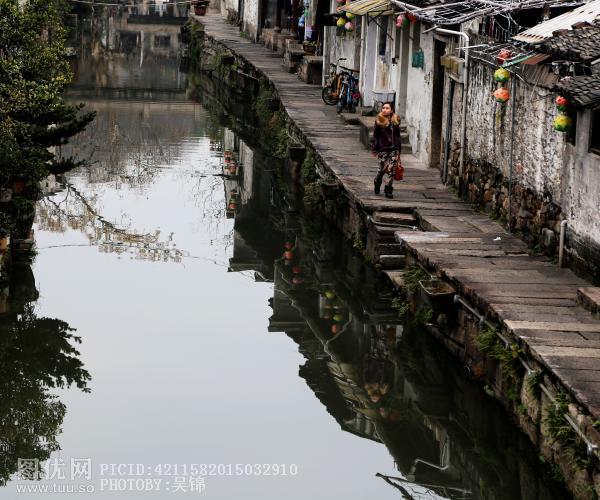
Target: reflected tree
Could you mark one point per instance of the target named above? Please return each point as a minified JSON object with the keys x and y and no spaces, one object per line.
{"x":36,"y":356}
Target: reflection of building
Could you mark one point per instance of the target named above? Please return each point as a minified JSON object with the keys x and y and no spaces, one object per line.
{"x":123,"y":50}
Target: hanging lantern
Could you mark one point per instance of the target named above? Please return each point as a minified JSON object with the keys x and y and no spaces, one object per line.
{"x":349,"y":26}
{"x":502,"y":95}
{"x":501,"y":75}
{"x":562,"y":103}
{"x":401,"y":21}
{"x":411,"y":17}
{"x":503,"y":56}
{"x":349,"y":15}
{"x":340,"y":22}
{"x":341,"y":2}
{"x":562,"y":123}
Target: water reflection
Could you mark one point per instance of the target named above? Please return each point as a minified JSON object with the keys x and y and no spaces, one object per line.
{"x":183,"y":368}
{"x":37,"y":356}
{"x":377,"y":378}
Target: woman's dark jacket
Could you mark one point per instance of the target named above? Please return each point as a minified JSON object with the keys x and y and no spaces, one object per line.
{"x":386,"y":136}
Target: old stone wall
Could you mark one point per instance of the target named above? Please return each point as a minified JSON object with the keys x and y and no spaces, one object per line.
{"x":552,"y":179}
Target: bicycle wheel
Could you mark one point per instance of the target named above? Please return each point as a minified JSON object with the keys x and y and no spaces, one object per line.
{"x":329,"y":96}
{"x":341,"y":104}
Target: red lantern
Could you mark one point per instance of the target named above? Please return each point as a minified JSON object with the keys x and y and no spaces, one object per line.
{"x":288,"y":245}
{"x":411,"y":17}
{"x":562,"y":103}
{"x":503,"y":56}
{"x":502,"y":95}
{"x":288,"y":255}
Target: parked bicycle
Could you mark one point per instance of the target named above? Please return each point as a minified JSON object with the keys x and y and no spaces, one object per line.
{"x":333,"y":84}
{"x":349,"y":95}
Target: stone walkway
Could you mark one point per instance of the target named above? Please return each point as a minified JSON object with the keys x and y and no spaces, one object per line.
{"x":529,"y":296}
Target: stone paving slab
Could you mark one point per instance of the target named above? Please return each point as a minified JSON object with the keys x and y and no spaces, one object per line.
{"x":533,"y":299}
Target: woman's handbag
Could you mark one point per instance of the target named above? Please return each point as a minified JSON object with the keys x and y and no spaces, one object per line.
{"x":399,"y":172}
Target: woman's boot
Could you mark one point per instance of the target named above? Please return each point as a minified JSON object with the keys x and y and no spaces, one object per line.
{"x":388,"y":190}
{"x":377,"y":184}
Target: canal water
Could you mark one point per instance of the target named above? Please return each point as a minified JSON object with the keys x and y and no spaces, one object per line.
{"x":184,"y":331}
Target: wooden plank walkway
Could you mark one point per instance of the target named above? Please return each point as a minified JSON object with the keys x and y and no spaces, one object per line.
{"x":529,"y":295}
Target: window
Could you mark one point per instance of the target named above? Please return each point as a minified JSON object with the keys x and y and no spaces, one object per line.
{"x":595,"y":132}
{"x":162,"y":41}
{"x":383,"y":34}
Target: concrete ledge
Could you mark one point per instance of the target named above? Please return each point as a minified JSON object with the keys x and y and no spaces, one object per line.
{"x":589,"y":298}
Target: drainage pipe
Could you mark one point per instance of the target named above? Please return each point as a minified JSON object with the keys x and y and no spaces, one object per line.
{"x":463,"y":123}
{"x":513,"y":86}
{"x":448,"y":130}
{"x":561,"y":246}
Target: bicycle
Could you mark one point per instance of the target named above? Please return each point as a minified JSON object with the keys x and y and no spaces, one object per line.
{"x":349,"y":95}
{"x":331,"y":92}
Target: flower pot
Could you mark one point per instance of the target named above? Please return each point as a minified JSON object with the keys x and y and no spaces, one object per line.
{"x":438,"y":294}
{"x":18,"y":187}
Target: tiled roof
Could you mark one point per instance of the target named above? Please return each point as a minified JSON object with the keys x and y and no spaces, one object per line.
{"x":579,"y":44}
{"x":582,"y":90}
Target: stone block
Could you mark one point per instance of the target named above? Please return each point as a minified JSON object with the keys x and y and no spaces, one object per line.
{"x":311,"y":70}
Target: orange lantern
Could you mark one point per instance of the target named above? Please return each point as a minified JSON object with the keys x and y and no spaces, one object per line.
{"x":562,"y":103}
{"x":502,"y":95}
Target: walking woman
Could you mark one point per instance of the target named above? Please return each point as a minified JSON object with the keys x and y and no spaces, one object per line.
{"x":385,"y":145}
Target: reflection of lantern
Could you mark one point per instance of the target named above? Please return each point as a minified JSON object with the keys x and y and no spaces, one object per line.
{"x":232,"y":169}
{"x":288,"y":245}
{"x":349,"y":26}
{"x":340,"y":22}
{"x":232,"y":205}
{"x":563,"y":123}
{"x":335,"y":328}
{"x":296,"y":270}
{"x":502,"y":95}
{"x":501,"y":75}
{"x":288,"y":255}
{"x":503,"y":55}
{"x":338,"y":318}
{"x":562,"y":103}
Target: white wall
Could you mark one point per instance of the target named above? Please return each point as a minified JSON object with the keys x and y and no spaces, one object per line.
{"x":419,"y":97}
{"x":581,"y":180}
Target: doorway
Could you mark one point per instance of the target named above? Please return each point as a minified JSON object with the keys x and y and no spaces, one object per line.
{"x":437,"y":105}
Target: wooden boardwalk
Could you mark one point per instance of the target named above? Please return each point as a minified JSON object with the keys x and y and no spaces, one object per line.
{"x":492,"y":269}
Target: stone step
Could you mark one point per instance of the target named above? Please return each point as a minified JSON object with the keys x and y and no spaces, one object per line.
{"x":589,"y":298}
{"x":350,"y":118}
{"x":392,"y":261}
{"x":396,"y":278}
{"x":389,"y":249}
{"x":398,"y":219}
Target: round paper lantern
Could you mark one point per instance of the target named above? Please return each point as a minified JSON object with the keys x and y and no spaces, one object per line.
{"x":341,"y":2}
{"x":401,"y":21}
{"x":501,"y":75}
{"x":411,"y":17}
{"x":503,"y":56}
{"x":502,"y":95}
{"x":349,"y":26}
{"x":349,"y":15}
{"x":562,"y":123}
{"x":562,"y":103}
{"x":340,"y":22}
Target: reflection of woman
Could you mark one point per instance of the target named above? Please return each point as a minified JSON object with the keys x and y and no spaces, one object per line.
{"x":385,"y":145}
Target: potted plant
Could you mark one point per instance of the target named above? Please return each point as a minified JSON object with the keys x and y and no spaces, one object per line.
{"x":310,"y":48}
{"x":200,"y":7}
